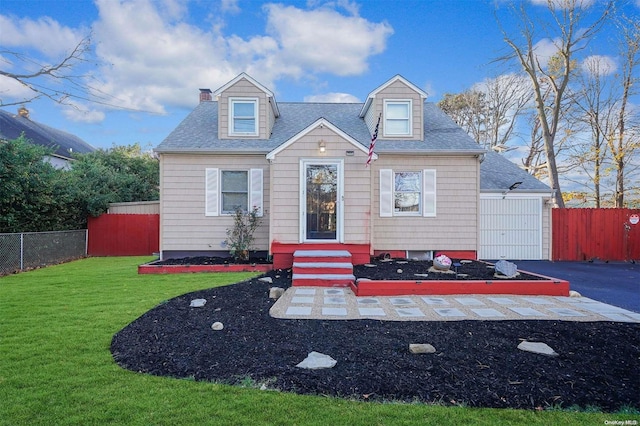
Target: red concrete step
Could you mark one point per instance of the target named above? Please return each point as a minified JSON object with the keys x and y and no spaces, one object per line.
{"x":323,"y":268}
{"x":327,"y":256}
{"x":323,"y":280}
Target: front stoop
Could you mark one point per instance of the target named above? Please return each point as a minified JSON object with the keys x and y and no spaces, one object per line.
{"x":322,"y":268}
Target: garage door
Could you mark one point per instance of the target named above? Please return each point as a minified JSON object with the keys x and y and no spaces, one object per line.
{"x":511,"y":228}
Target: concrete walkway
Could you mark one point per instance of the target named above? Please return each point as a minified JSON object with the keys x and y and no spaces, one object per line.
{"x":342,"y":304}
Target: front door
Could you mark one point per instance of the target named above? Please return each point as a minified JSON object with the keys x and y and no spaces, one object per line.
{"x":321,"y":201}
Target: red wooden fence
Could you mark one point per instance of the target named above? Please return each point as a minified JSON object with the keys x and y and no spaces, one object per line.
{"x":124,"y":235}
{"x":605,"y":234}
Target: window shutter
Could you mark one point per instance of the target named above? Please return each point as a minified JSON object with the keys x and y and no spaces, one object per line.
{"x":255,"y":190}
{"x":211,"y":192}
{"x":386,"y":193}
{"x":429,"y":193}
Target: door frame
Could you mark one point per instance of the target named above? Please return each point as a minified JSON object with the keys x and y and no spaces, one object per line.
{"x":339,"y":162}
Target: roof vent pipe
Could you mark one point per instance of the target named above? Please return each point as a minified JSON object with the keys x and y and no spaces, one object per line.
{"x":205,"y":95}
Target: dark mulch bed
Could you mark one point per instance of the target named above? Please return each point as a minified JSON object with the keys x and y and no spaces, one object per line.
{"x":389,"y":270}
{"x":206,"y":260}
{"x":383,"y":270}
{"x":476,"y":363}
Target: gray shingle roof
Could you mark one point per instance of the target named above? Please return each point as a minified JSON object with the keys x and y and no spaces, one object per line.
{"x":198,"y":132}
{"x":498,"y":173}
{"x":63,"y":143}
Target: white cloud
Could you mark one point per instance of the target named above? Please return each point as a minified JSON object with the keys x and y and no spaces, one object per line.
{"x":43,"y":35}
{"x":75,"y":111}
{"x":599,"y":65}
{"x":150,"y":57}
{"x":230,"y":6}
{"x":332,"y":97}
{"x":324,"y":40}
{"x":544,"y":51}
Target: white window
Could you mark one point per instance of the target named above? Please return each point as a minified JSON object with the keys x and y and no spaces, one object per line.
{"x":407,"y":193}
{"x":397,"y":118}
{"x":228,"y":190}
{"x":234,"y":188}
{"x":243,"y":116}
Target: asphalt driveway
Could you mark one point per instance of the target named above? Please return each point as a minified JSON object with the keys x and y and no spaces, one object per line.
{"x":615,"y":283}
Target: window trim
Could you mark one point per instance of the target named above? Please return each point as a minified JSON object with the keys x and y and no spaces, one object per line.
{"x":428,"y":193}
{"x":247,"y":190}
{"x":420,"y":193}
{"x":232,"y":117}
{"x":213,"y":191}
{"x":409,"y":119}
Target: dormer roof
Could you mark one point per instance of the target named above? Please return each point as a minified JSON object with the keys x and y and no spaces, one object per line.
{"x":397,"y":77}
{"x":247,"y":77}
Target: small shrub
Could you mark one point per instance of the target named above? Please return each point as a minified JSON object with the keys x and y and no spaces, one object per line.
{"x":240,"y":238}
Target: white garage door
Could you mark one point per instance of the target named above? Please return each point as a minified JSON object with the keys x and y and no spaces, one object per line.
{"x":511,"y":228}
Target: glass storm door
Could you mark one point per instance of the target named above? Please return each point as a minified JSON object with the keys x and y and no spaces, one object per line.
{"x":322,"y":192}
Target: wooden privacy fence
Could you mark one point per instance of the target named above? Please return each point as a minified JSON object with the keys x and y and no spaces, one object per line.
{"x":605,"y":234}
{"x":123,"y":235}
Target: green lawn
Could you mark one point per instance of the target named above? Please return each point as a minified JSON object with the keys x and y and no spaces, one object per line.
{"x":56,"y":326}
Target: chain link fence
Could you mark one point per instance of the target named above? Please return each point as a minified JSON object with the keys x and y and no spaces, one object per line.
{"x":27,"y":250}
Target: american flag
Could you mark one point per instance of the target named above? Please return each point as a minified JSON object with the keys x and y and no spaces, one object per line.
{"x":373,"y":141}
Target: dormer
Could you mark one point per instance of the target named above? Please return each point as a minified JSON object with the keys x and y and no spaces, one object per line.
{"x":399,"y":104}
{"x":246,"y":109}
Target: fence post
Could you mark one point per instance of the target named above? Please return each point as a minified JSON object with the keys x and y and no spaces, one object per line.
{"x":22,"y":251}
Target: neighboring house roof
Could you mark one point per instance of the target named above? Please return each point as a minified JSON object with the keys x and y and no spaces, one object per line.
{"x":64,"y":144}
{"x":198,"y":132}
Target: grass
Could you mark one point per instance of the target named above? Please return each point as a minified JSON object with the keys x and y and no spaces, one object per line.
{"x":56,"y":326}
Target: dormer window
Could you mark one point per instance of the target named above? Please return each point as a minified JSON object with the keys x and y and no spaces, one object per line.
{"x":243,"y":116}
{"x":397,"y":118}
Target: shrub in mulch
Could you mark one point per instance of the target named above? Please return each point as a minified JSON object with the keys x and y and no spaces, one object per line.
{"x":476,"y":363}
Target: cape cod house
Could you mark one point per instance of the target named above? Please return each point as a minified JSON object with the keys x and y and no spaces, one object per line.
{"x":428,"y":188}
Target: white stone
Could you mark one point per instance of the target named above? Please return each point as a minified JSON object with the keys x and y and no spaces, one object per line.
{"x":421,"y":348}
{"x":369,"y":265}
{"x":399,"y":271}
{"x":198,"y":303}
{"x":317,"y":361}
{"x":276,"y":292}
{"x":266,"y":280}
{"x":573,"y":293}
{"x":217,"y":326}
{"x":507,"y":269}
{"x":537,"y":348}
{"x":421,"y":275}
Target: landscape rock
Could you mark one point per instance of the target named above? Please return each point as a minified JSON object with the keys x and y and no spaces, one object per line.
{"x":507,"y":269}
{"x":276,"y":292}
{"x":421,"y":275}
{"x":266,"y":280}
{"x":399,"y":271}
{"x":317,"y":361}
{"x":421,"y":348}
{"x":198,"y":303}
{"x":537,"y":348}
{"x":217,"y":326}
{"x":442,"y":262}
{"x":573,"y":293}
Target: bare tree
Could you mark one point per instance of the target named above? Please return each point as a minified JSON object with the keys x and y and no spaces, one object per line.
{"x":56,"y":82}
{"x":488,"y":112}
{"x":570,"y":34}
{"x":627,"y":138}
{"x":596,"y":109}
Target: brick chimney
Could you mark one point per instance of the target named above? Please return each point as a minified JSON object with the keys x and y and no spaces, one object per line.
{"x":205,"y":95}
{"x":23,"y":112}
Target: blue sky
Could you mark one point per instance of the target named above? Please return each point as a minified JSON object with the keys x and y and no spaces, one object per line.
{"x":151,"y":57}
